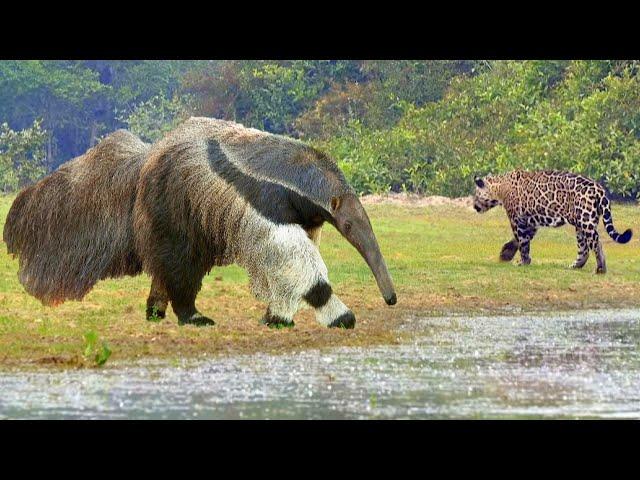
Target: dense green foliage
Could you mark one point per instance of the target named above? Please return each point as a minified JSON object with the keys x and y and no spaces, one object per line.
{"x":578,"y":116}
{"x":151,"y":119}
{"x":424,"y":126}
{"x":79,"y":101}
{"x":21,"y":156}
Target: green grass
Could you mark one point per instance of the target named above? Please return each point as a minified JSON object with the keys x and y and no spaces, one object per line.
{"x":447,"y":249}
{"x":443,"y":259}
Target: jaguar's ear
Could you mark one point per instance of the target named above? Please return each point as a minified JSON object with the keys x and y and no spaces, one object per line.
{"x":479,"y":181}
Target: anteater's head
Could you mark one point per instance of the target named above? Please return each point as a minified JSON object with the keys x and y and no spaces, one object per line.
{"x":351,"y":220}
{"x":485,"y":197}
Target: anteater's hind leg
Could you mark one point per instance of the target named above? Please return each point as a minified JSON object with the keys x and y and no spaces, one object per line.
{"x":182,"y":281}
{"x":291,"y":272}
{"x":157,"y":301}
{"x":182,"y":295}
{"x":583,"y":249}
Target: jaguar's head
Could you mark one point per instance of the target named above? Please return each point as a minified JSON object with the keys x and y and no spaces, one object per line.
{"x":484,"y":198}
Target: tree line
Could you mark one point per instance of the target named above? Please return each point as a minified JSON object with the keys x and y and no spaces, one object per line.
{"x":420,"y":126}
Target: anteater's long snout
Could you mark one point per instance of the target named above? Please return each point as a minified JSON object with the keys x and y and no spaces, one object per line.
{"x":391,"y":300}
{"x":378,"y":267}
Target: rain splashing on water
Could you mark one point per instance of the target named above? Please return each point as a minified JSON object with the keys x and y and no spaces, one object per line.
{"x":572,"y":365}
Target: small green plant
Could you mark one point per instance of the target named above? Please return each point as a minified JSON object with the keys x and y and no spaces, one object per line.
{"x":154,"y":315}
{"x":100,"y":353}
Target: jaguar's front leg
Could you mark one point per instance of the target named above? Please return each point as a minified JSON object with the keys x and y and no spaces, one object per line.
{"x":509,"y":250}
{"x":525,"y":235}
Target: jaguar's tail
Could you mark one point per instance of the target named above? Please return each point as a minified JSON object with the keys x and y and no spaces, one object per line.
{"x":605,"y":207}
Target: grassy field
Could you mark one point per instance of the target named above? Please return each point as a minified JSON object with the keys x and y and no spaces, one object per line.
{"x":443,"y":259}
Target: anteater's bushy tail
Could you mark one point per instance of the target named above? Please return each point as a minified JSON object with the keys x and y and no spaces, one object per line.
{"x":605,"y":206}
{"x":74,"y":227}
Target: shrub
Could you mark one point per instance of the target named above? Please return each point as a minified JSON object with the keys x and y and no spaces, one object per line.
{"x":22,"y":155}
{"x":151,"y":119}
{"x":581,"y":116}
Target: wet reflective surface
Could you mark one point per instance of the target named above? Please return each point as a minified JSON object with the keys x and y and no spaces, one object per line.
{"x":583,"y":364}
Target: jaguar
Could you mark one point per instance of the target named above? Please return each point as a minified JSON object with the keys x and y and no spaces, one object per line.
{"x":549,"y":199}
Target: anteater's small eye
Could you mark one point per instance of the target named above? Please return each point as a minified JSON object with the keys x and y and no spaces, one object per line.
{"x":347,"y":227}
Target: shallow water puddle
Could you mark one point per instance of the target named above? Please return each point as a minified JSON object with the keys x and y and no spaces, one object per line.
{"x":575,"y":365}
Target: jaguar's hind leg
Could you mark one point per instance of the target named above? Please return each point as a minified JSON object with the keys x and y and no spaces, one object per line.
{"x":594,"y":243}
{"x":583,"y":249}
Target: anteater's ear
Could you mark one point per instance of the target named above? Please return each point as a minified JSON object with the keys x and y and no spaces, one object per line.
{"x":335,"y":203}
{"x":479,"y":181}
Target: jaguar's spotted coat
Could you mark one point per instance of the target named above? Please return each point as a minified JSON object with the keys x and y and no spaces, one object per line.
{"x":549,"y":199}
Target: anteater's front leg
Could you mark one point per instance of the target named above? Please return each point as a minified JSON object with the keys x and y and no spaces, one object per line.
{"x":292,"y":273}
{"x":330,"y":311}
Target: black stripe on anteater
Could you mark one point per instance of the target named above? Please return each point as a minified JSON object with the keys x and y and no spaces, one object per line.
{"x":273,"y":201}
{"x":318,"y":295}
